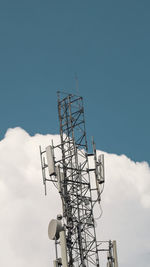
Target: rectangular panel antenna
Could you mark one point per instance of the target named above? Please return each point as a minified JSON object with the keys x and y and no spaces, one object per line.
{"x":50,"y":160}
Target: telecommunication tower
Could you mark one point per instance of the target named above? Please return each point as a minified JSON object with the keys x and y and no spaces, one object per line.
{"x":80,"y":186}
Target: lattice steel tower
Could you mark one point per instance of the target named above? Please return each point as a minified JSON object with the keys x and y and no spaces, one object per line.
{"x":79,"y":184}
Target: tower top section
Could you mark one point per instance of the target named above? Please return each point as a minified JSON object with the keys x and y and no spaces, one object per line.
{"x":79,"y":183}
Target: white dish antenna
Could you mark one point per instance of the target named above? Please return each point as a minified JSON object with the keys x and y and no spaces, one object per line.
{"x":54,"y":228}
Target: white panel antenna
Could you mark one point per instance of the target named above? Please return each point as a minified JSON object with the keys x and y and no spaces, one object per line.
{"x":101,"y":173}
{"x":50,"y":160}
{"x":63,"y":249}
{"x":115,"y":254}
{"x":59,"y":176}
{"x":56,"y":264}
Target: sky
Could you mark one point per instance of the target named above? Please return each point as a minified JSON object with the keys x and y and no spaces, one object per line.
{"x":44,"y":45}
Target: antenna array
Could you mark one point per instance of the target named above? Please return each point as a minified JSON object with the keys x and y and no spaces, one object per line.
{"x":79,"y":185}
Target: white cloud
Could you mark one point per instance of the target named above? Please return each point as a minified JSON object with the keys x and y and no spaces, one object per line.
{"x":126,"y":208}
{"x":25,"y":211}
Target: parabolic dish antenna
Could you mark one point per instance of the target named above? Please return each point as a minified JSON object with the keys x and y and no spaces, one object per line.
{"x":54,"y":229}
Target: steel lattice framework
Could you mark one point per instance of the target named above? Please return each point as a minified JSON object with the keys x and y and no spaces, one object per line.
{"x":79,"y":185}
{"x":77,"y":195}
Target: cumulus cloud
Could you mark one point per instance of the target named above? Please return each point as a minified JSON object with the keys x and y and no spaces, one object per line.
{"x":26,"y":212}
{"x":126,"y":208}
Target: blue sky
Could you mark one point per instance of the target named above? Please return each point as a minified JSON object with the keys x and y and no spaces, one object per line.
{"x":43,"y":43}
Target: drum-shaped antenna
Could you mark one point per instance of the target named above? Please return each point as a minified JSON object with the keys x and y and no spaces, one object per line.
{"x":54,"y":229}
